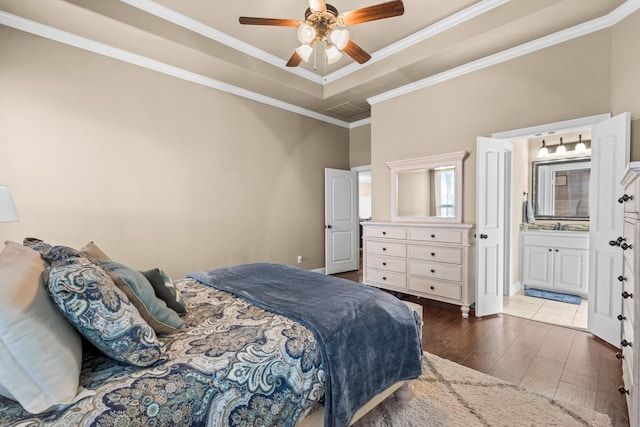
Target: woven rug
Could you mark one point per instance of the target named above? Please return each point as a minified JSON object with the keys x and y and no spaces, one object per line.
{"x":448,"y":394}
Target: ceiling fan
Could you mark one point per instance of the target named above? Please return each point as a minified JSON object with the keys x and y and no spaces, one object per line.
{"x":322,"y":23}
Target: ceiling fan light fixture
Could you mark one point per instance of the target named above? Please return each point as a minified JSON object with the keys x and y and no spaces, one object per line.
{"x":333,"y":54}
{"x":304,"y":51}
{"x":340,"y":38}
{"x":306,"y":34}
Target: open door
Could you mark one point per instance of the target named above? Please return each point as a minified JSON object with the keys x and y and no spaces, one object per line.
{"x":610,"y":141}
{"x":493,"y":198}
{"x":342,"y":249}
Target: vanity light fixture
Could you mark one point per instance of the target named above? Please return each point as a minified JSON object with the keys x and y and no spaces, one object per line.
{"x":561,"y":148}
{"x":8,"y":211}
{"x":544,"y":151}
{"x":580,"y":147}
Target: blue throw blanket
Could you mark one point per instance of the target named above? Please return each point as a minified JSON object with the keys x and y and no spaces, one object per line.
{"x":370,"y":339}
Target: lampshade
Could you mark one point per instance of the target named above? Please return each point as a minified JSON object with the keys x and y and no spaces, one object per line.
{"x":580,"y":147}
{"x":306,"y":34}
{"x":544,"y":151}
{"x":8,"y":211}
{"x":561,"y":148}
{"x":333,"y":54}
{"x":304,"y":51}
{"x":340,"y":38}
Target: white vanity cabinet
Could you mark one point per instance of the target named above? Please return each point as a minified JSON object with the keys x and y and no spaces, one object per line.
{"x":434,"y":261}
{"x":555,"y":260}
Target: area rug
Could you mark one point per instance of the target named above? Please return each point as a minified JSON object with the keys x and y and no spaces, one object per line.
{"x":448,"y":394}
{"x":554,"y":296}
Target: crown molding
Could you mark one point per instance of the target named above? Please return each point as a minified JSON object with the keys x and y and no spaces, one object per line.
{"x":550,"y":128}
{"x":571,"y":33}
{"x":363,"y":122}
{"x":64,"y":37}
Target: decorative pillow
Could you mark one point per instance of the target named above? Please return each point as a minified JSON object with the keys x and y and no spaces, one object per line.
{"x":52,"y":254}
{"x":102,"y":313}
{"x":162,"y":319}
{"x":41,"y":353}
{"x":92,"y":251}
{"x":164,"y":289}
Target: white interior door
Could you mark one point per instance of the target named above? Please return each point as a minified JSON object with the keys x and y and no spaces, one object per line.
{"x":342,"y":249}
{"x":492,"y":194}
{"x":610,"y":141}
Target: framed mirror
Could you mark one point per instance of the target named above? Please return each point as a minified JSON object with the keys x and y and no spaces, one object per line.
{"x":561,"y":188}
{"x":427,"y":189}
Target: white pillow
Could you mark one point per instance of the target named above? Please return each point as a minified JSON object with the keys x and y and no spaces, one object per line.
{"x":40,"y":352}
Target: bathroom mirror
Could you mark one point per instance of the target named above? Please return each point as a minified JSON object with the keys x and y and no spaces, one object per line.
{"x":561,"y":188}
{"x":427,"y":189}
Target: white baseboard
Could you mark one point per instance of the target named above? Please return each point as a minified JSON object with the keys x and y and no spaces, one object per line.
{"x":319,"y":270}
{"x":515,"y":288}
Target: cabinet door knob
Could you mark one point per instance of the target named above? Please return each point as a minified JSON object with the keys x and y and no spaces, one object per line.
{"x":621,"y":317}
{"x":483,"y":236}
{"x":625,"y":343}
{"x":621,"y":278}
{"x":384,"y":263}
{"x":614,"y":243}
{"x":384,"y":249}
{"x":619,"y":356}
{"x":431,"y":287}
{"x":433,"y":236}
{"x":624,"y":246}
{"x":625,"y":198}
{"x":626,"y":295}
{"x":329,"y":226}
{"x":623,"y":390}
{"x":433,"y":254}
{"x":384,"y":278}
{"x":433,"y":271}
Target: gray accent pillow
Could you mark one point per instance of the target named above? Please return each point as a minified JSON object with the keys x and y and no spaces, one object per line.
{"x":164,"y":289}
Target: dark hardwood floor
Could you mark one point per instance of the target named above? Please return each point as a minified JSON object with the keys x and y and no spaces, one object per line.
{"x":562,"y":363}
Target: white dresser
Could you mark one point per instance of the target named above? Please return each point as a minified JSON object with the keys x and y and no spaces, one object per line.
{"x":630,"y":289}
{"x":435,"y":261}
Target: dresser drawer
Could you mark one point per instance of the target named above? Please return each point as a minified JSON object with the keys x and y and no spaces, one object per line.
{"x":385,"y":232}
{"x":435,"y":288}
{"x":436,"y":270}
{"x":386,"y":248}
{"x":386,"y":279}
{"x":435,"y":235}
{"x":436,"y":253}
{"x":387,"y":263}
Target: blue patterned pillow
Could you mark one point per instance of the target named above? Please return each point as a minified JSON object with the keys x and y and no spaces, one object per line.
{"x":101,"y":312}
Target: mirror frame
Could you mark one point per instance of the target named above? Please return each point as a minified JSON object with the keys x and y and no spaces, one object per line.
{"x":428,"y":162}
{"x":535,"y":181}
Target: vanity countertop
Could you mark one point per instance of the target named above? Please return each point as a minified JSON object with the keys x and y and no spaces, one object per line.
{"x":554,"y":227}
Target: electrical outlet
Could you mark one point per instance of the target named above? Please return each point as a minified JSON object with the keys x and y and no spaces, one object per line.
{"x":299,"y":259}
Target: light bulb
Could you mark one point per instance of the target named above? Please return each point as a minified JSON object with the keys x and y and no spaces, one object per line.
{"x":561,"y":148}
{"x":580,"y":147}
{"x":544,"y":151}
{"x":340,"y":38}
{"x":304,"y":51}
{"x":306,"y":34}
{"x":333,"y":54}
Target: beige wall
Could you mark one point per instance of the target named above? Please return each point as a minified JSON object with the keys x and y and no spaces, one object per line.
{"x":157,"y":171}
{"x":360,"y":146}
{"x":559,"y":83}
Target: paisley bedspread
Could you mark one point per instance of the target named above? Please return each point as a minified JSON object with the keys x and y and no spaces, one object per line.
{"x":233,"y":364}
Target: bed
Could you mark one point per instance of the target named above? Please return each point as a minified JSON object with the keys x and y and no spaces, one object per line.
{"x":248,"y":354}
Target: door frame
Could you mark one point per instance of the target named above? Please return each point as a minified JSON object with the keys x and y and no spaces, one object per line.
{"x":530,"y":132}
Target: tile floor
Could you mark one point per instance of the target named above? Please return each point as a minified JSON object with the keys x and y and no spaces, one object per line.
{"x":543,"y":310}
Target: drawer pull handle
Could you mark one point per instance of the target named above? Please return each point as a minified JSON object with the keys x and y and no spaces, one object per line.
{"x":433,"y":254}
{"x":625,"y":198}
{"x":625,"y":343}
{"x":624,"y":246}
{"x":626,"y":295}
{"x":621,"y":317}
{"x":619,"y":356}
{"x":433,"y":270}
{"x":621,"y":278}
{"x":550,"y":250}
{"x":623,"y":390}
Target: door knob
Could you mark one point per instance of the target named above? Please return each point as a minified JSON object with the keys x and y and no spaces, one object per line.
{"x":623,"y":390}
{"x":624,"y":246}
{"x":483,"y":236}
{"x":621,"y":317}
{"x":625,"y":343}
{"x":625,"y":198}
{"x":329,"y":226}
{"x":626,"y":295}
{"x":621,"y":278}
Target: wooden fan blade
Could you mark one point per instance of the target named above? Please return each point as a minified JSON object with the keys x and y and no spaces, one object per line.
{"x":269,"y":21}
{"x":295,"y":60}
{"x":372,"y":13}
{"x":318,"y":5}
{"x":356,"y":52}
